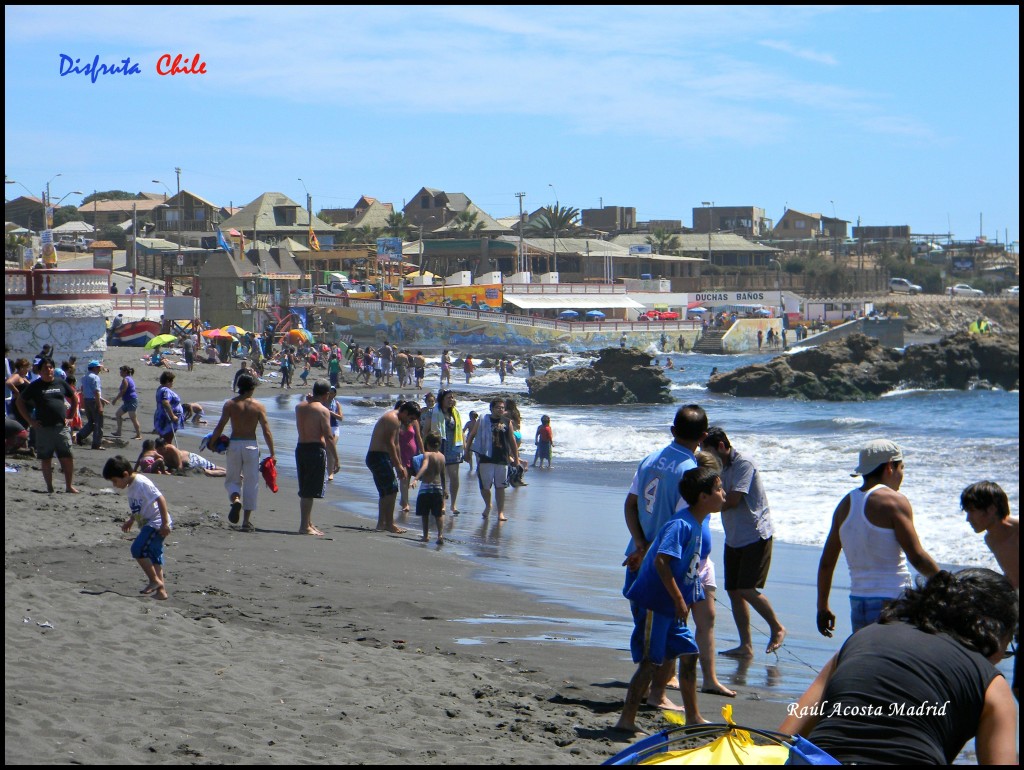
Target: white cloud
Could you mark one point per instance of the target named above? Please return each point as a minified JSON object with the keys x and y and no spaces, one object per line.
{"x":800,"y":53}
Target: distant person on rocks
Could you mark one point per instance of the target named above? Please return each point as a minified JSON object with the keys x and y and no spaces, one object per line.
{"x":385,"y":462}
{"x":315,"y":453}
{"x":747,"y":521}
{"x":41,"y":404}
{"x":243,"y":454}
{"x":148,"y":506}
{"x":874,"y":525}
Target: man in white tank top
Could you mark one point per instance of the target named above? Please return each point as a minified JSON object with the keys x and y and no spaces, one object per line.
{"x":874,"y":525}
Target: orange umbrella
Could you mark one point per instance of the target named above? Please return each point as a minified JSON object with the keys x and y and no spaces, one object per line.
{"x":219,"y":334}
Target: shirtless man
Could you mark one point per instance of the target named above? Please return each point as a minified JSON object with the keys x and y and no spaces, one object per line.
{"x":178,"y":459}
{"x":243,"y":461}
{"x":314,"y":447}
{"x":402,"y":367}
{"x":988,"y":511}
{"x":419,"y":365}
{"x":384,"y":460}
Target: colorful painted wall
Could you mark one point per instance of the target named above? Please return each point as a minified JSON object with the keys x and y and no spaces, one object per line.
{"x":742,"y":336}
{"x":432,"y":332}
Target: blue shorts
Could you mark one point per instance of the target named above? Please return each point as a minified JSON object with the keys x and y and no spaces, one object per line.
{"x":543,"y":450}
{"x":657,"y":638}
{"x":383,"y":471}
{"x":865,"y":610}
{"x":149,"y":545}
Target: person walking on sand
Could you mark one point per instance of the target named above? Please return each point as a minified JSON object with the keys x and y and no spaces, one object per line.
{"x":747,"y":521}
{"x":337,"y":416}
{"x":653,"y":500}
{"x":129,"y":396}
{"x":314,"y":449}
{"x":665,"y":589}
{"x":149,"y":507}
{"x":92,"y":401}
{"x":430,"y":500}
{"x":492,"y":440}
{"x":384,"y":461}
{"x":41,"y":404}
{"x":243,"y":453}
{"x":446,"y":422}
{"x":874,"y":525}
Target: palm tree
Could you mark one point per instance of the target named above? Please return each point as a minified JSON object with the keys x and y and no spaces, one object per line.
{"x":466,"y":222}
{"x":560,"y":220}
{"x":398,"y":226}
{"x":662,"y":241}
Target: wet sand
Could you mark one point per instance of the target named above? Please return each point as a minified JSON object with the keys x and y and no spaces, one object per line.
{"x":280,"y":648}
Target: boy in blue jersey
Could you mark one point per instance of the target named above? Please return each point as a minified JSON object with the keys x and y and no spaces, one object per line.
{"x":666,"y":586}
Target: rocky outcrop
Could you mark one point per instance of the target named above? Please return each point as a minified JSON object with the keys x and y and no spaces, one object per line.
{"x":859,"y":368}
{"x":616,"y":377}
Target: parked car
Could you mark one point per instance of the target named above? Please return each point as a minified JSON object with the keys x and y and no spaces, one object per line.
{"x":68,"y":243}
{"x":963,"y":290}
{"x":1013,"y":291}
{"x":903,"y":286}
{"x":659,"y":315}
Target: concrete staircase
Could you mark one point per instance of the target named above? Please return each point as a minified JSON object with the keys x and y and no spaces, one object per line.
{"x":711,"y":342}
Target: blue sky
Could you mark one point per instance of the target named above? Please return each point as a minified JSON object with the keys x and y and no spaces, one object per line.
{"x":890,"y":115}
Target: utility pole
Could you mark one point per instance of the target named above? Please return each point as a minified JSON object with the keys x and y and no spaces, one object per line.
{"x":522,"y":252}
{"x":181,"y":215}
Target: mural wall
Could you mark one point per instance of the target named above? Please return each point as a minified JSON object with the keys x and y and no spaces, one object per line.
{"x":441,"y":332}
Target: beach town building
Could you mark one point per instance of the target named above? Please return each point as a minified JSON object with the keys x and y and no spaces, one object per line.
{"x":747,"y":221}
{"x":26,"y":211}
{"x":273,"y":216}
{"x":188,"y":219}
{"x":796,"y":225}
{"x":104,"y":213}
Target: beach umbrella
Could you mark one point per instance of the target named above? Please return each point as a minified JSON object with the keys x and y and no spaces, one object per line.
{"x":696,"y":310}
{"x":160,"y":339}
{"x":217,"y":334}
{"x":567,"y":314}
{"x":299,"y":335}
{"x":595,"y":314}
{"x":237,"y":331}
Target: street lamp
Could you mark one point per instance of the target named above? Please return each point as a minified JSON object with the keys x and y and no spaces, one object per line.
{"x":711,"y":216}
{"x":180,"y":209}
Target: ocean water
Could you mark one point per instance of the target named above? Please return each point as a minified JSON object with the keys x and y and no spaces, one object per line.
{"x":566,"y":536}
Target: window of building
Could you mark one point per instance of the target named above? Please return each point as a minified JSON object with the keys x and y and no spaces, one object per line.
{"x":425,"y":202}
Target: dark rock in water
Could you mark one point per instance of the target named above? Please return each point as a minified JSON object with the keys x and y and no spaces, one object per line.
{"x":616,"y":377}
{"x":859,"y":368}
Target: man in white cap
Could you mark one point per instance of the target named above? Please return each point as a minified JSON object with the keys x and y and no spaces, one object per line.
{"x":874,"y":525}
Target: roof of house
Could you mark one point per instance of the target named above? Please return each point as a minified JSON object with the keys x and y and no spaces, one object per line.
{"x":697,"y":243}
{"x":120,"y":206}
{"x":102,"y":245}
{"x":74,"y":227}
{"x":800,"y":213}
{"x":490,"y":224}
{"x":262,"y":210}
{"x":375,"y":215}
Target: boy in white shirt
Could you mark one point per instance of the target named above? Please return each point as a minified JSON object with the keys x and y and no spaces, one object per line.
{"x":148,"y":506}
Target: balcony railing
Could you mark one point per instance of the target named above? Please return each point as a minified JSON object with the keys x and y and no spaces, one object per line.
{"x":60,"y":285}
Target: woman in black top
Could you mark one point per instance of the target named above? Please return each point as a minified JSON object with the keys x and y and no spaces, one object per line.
{"x":916,"y":686}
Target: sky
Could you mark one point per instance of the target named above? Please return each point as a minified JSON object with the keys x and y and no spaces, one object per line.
{"x":878,"y":115}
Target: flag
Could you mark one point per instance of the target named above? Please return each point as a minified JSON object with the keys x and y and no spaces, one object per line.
{"x":314,"y":244}
{"x":223,"y":242}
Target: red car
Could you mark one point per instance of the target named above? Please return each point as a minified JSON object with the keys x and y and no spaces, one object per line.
{"x":659,"y":315}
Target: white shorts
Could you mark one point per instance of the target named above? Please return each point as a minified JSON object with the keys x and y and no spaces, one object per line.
{"x":336,"y":432}
{"x":492,"y":475}
{"x":706,"y":573}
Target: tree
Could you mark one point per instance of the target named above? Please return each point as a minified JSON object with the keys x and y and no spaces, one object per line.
{"x":467,"y":222}
{"x":13,"y":245}
{"x":66,"y":214}
{"x":398,"y":226}
{"x":662,"y":241}
{"x":562,"y":220}
{"x":110,"y":195}
{"x":115,"y":234}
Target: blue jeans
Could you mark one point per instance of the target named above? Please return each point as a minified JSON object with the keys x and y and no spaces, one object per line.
{"x":865,"y":610}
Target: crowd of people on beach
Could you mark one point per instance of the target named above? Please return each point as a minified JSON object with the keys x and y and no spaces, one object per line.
{"x":953,"y":626}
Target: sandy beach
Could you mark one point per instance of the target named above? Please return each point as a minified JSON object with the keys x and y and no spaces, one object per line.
{"x":279,"y":648}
